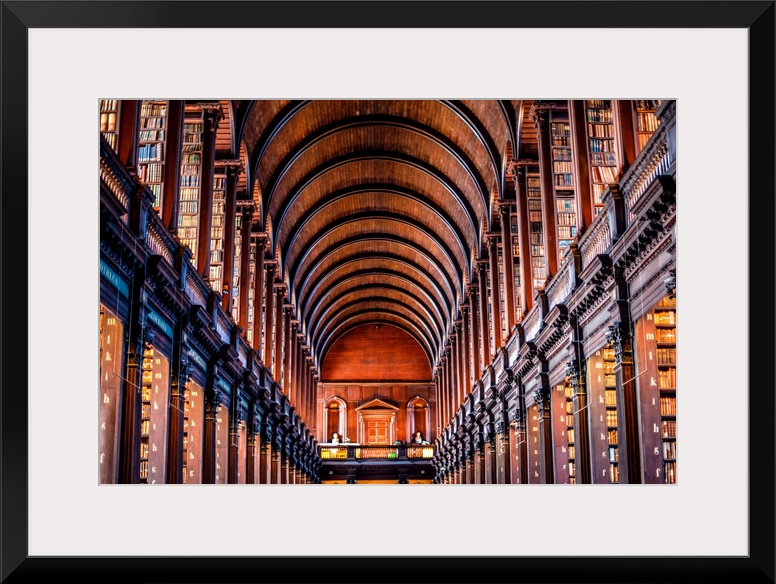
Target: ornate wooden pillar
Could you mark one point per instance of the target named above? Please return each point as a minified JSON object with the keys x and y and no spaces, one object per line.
{"x":129,"y":136}
{"x":212,"y":401}
{"x":577,"y":371}
{"x":546,"y":471}
{"x":627,"y":138}
{"x":486,"y":357}
{"x":526,"y":281}
{"x":509,"y":278}
{"x":180,"y":370}
{"x":265,"y":454}
{"x":172,"y":165}
{"x":491,"y":469}
{"x":619,"y":336}
{"x":284,"y":456}
{"x":139,"y":338}
{"x":236,"y":415}
{"x":456,"y":370}
{"x":245,"y":266}
{"x":269,"y":317}
{"x":476,"y":362}
{"x":277,"y":447}
{"x":231,"y":169}
{"x":495,"y":296}
{"x":466,"y":351}
{"x":502,"y":433}
{"x":582,"y":191}
{"x":479,"y":456}
{"x":540,"y":114}
{"x":259,"y":295}
{"x":469,"y":460}
{"x":290,"y":366}
{"x":252,"y":445}
{"x":279,"y":327}
{"x":211,"y":115}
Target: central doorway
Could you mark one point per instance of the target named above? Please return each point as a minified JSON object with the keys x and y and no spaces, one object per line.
{"x":378,"y":432}
{"x":377,"y":423}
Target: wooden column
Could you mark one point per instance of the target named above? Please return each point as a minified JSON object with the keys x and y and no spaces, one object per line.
{"x":582,"y":190}
{"x":212,"y":401}
{"x":211,"y":115}
{"x":491,"y":475}
{"x":479,"y":460}
{"x":129,"y":134}
{"x":232,"y":471}
{"x":275,"y":465}
{"x":474,"y":304}
{"x":505,"y":453}
{"x":258,"y":296}
{"x":179,"y":375}
{"x":245,"y":266}
{"x":288,"y":350}
{"x":279,"y":327}
{"x":269,"y":317}
{"x":627,"y":400}
{"x":129,"y":454}
{"x":172,"y":165}
{"x":265,"y":454}
{"x":526,"y":280}
{"x":485,"y":356}
{"x":509,"y":278}
{"x":466,"y":353}
{"x":577,"y":370}
{"x":626,"y":136}
{"x":461,"y":348}
{"x":252,"y":445}
{"x":456,"y":370}
{"x":540,"y":113}
{"x":230,"y":215}
{"x":546,"y":471}
{"x":522,"y":437}
{"x":495,"y":295}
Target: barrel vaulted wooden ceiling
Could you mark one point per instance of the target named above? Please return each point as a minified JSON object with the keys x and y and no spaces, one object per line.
{"x":376,"y":210}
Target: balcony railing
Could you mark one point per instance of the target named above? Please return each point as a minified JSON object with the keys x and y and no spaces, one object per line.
{"x":365,"y":452}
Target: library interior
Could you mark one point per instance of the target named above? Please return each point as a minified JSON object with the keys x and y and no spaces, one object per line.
{"x":387,"y":291}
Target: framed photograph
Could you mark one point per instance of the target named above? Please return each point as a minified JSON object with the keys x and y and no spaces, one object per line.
{"x":59,"y":58}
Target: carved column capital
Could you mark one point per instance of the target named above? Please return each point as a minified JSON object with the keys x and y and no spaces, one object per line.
{"x":619,"y":341}
{"x":540,"y":112}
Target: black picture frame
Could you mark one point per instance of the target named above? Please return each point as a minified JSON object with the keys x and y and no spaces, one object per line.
{"x":19,"y":16}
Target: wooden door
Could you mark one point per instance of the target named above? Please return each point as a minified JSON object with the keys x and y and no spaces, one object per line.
{"x":377,"y":432}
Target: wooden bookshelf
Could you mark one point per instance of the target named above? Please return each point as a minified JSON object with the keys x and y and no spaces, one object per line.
{"x":516,"y":268}
{"x":109,"y":113}
{"x":646,"y":120}
{"x":568,"y":391}
{"x":251,"y":293}
{"x":665,"y":338}
{"x":235,"y":279}
{"x":504,"y":327}
{"x":151,"y":147}
{"x":217,"y":234}
{"x":563,"y":179}
{"x":191,"y":171}
{"x":146,"y":387}
{"x":193,"y":421}
{"x":222,"y":445}
{"x":562,"y":449}
{"x":611,"y":414}
{"x":602,"y":154}
{"x":535,"y":231}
